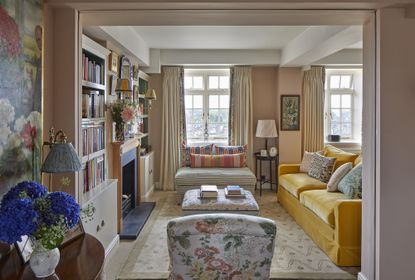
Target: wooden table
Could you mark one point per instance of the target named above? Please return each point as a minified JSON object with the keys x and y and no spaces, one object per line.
{"x":261,"y":179}
{"x":83,"y":259}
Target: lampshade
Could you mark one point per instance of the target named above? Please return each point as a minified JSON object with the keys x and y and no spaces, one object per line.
{"x":266,"y":129}
{"x":151,"y":94}
{"x":61,"y":158}
{"x":123,"y":85}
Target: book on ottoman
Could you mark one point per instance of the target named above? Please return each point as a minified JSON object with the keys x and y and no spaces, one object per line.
{"x":234,"y":192}
{"x":208,"y":191}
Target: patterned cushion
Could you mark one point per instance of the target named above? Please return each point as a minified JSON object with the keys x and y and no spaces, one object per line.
{"x":321,"y":167}
{"x":221,"y":246}
{"x":351,"y":184}
{"x":221,"y":161}
{"x":220,"y":150}
{"x":187,"y":150}
{"x":306,"y":162}
{"x":338,"y":174}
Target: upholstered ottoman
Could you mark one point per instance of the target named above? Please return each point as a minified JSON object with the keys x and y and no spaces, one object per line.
{"x":193,"y":204}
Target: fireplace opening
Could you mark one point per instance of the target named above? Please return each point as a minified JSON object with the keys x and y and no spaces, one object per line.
{"x":128,"y":188}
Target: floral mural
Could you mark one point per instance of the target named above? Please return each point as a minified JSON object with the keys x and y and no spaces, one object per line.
{"x":20,"y":91}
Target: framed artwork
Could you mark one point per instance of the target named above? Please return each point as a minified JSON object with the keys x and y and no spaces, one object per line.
{"x":20,"y":92}
{"x":25,"y":248}
{"x":74,"y":233}
{"x":135,"y":94}
{"x":290,"y":112}
{"x":113,"y":65}
{"x":113,"y":84}
{"x":135,"y":72}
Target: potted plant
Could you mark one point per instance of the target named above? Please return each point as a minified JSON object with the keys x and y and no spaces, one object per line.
{"x":28,"y":209}
{"x":122,"y":113}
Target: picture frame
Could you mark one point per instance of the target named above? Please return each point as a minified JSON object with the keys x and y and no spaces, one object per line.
{"x":76,"y":232}
{"x":135,"y":93}
{"x":135,"y":72}
{"x":113,"y":84}
{"x":25,"y":248}
{"x":114,"y":62}
{"x":290,"y":112}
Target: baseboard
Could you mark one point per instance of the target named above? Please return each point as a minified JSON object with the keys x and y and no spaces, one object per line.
{"x":149,"y":192}
{"x":112,"y":244}
{"x":360,"y":276}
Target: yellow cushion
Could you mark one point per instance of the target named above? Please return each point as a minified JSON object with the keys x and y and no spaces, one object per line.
{"x":299,"y":182}
{"x":322,"y":203}
{"x":341,"y":156}
{"x":358,"y":160}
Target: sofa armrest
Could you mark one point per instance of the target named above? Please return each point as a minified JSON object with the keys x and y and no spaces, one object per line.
{"x":348,"y":222}
{"x":288,"y":168}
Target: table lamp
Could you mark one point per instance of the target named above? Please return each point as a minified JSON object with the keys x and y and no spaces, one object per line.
{"x":123,"y":86}
{"x":62,"y":156}
{"x":266,"y":129}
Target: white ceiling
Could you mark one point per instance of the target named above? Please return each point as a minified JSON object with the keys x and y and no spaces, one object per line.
{"x":218,"y":37}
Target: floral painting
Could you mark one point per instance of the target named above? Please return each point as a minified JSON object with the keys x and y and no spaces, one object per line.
{"x":20,"y":91}
{"x":290,"y":112}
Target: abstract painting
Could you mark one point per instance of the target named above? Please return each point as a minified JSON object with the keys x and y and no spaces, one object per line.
{"x":290,"y":112}
{"x":20,"y":91}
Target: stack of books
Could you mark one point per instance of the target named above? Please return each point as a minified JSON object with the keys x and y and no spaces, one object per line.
{"x":208,"y":191}
{"x":234,"y":192}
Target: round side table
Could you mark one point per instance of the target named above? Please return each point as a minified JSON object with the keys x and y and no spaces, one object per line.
{"x":260,"y":159}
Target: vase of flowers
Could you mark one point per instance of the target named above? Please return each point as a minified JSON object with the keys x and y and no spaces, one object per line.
{"x":28,"y":209}
{"x":122,"y":112}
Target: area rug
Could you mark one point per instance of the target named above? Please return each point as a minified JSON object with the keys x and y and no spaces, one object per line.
{"x":296,"y":255}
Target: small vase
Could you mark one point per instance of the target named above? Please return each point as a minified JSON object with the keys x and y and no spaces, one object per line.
{"x":119,"y":131}
{"x":43,"y":261}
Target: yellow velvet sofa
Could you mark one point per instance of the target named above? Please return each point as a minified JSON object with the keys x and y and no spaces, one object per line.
{"x":331,"y":220}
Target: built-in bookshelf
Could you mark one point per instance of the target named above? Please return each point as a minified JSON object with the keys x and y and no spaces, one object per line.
{"x":144,"y":108}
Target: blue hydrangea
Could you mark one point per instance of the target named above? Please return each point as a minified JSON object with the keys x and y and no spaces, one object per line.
{"x":24,"y":189}
{"x":17,"y":218}
{"x":64,"y":204}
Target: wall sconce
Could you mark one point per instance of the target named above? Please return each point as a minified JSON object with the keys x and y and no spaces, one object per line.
{"x":150,"y":96}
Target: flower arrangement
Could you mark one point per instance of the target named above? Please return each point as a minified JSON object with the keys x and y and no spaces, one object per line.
{"x":29,"y":209}
{"x":122,"y":112}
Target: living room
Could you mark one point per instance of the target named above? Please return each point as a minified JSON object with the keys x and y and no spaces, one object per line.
{"x":210,"y":50}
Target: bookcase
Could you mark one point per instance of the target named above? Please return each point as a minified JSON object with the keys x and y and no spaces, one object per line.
{"x":144,"y":108}
{"x":94,"y":187}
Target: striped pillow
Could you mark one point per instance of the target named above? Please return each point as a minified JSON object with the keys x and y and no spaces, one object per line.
{"x":222,"y":161}
{"x":224,"y":150}
{"x":187,"y":150}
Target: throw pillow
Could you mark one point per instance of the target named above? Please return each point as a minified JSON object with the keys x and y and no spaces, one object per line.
{"x":221,"y":150}
{"x":187,"y":150}
{"x":221,"y":161}
{"x":306,"y":162}
{"x":341,"y":156}
{"x":321,"y":167}
{"x":338,"y":174}
{"x":351,"y":184}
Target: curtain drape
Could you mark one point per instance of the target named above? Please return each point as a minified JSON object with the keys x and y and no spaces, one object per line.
{"x":313,"y":94}
{"x":173,"y":125}
{"x":240,"y":113}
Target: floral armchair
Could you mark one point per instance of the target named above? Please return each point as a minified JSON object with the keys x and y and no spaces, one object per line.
{"x":220,"y":246}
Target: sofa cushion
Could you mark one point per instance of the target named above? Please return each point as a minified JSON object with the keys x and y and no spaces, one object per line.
{"x":214,"y":161}
{"x":321,"y":167}
{"x":187,"y":150}
{"x":299,"y":182}
{"x":322,"y":203}
{"x":337,"y":176}
{"x":187,"y":176}
{"x":341,"y":156}
{"x":351,"y":184}
{"x":221,"y":150}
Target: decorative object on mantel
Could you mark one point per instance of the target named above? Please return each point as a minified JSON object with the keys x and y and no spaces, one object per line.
{"x":29,"y":212}
{"x":266,"y":129}
{"x":150,"y":96}
{"x":62,"y":156}
{"x":122,"y":113}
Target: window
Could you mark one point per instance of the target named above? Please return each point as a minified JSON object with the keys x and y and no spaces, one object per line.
{"x":344,"y":103}
{"x":207,"y":105}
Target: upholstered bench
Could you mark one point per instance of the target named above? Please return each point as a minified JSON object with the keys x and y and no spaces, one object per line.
{"x":192,"y":204}
{"x":192,"y":178}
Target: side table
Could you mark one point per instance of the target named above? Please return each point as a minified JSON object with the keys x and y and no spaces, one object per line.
{"x":261,"y":181}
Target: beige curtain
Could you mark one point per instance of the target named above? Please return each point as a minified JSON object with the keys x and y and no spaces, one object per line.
{"x":173,"y":125}
{"x":241,"y":120}
{"x":313,"y":94}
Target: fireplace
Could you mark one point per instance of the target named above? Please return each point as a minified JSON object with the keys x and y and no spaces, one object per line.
{"x":129,"y":181}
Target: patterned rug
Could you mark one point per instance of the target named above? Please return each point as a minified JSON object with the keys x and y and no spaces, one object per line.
{"x":296,"y":255}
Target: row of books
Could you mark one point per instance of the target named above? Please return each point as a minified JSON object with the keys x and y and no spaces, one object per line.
{"x":93,"y":173}
{"x":92,"y":139}
{"x":93,"y":104}
{"x":231,"y":191}
{"x":92,"y":71}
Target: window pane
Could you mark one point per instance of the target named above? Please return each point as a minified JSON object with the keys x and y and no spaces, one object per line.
{"x":198,"y":101}
{"x":335,"y":115}
{"x":335,"y":101}
{"x":213,"y":101}
{"x":224,"y":82}
{"x":224,"y":115}
{"x":189,"y":116}
{"x":198,"y":115}
{"x":346,"y":101}
{"x":334,"y":81}
{"x":218,"y":130}
{"x":188,"y":101}
{"x":224,"y":101}
{"x":198,"y":82}
{"x":214,"y":116}
{"x":345,"y":81}
{"x":213,"y":82}
{"x":188,"y":82}
{"x":346,"y":115}
{"x":194,"y":130}
{"x":335,"y":128}
{"x":346,"y":130}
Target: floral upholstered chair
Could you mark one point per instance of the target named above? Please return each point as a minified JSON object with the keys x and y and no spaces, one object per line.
{"x":220,"y":246}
